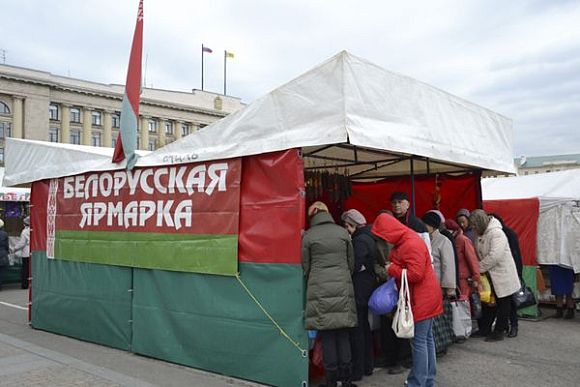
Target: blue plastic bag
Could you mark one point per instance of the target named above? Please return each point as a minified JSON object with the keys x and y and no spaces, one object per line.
{"x":384,"y":298}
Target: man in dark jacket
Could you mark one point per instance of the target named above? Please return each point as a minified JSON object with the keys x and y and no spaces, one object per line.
{"x":363,"y":278}
{"x":400,"y":206}
{"x":328,"y":263}
{"x":514,"y":243}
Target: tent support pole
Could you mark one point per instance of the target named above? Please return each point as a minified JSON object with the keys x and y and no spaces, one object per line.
{"x":412,"y":184}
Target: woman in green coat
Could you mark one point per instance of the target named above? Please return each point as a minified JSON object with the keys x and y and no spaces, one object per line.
{"x":328,"y":261}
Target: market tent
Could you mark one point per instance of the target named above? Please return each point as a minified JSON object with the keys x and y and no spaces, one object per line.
{"x":544,"y":211}
{"x":347,"y":113}
{"x":558,"y":219}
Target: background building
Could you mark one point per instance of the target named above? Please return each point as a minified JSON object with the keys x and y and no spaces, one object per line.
{"x":38,"y":105}
{"x":544,"y":164}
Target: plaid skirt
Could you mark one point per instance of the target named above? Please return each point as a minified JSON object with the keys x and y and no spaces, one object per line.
{"x":443,"y":328}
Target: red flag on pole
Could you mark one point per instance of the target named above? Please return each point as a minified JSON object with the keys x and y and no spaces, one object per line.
{"x":127,"y":140}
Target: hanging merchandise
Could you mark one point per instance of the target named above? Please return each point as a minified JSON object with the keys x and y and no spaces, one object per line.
{"x":333,"y":187}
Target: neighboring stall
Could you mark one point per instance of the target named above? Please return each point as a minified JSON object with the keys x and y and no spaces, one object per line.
{"x":544,"y":210}
{"x":224,"y":291}
{"x":13,"y":209}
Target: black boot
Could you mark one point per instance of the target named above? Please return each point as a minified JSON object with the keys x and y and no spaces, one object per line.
{"x":495,"y":336}
{"x":346,"y":377}
{"x":331,"y":379}
{"x":569,"y":314}
{"x":513,"y":332}
{"x":559,"y":313}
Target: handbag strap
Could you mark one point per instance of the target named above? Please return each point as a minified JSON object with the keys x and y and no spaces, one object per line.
{"x":405,"y":287}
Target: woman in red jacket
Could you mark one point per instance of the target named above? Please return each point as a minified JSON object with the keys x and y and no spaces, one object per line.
{"x":468,"y":266}
{"x":410,"y":252}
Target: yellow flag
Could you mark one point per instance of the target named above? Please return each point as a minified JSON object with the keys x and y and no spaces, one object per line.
{"x":229,"y":54}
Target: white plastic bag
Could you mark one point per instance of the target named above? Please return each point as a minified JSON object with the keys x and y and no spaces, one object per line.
{"x":403,"y":324}
{"x":461,"y":319}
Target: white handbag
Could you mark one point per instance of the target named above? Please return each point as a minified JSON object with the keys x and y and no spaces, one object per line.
{"x":403,"y":324}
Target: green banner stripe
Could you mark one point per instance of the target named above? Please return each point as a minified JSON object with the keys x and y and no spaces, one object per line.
{"x":210,"y":254}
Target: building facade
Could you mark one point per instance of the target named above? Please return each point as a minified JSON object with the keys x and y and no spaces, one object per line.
{"x":37,"y":105}
{"x":546,"y":164}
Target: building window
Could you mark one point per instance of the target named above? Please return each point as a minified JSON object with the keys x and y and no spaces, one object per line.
{"x":4,"y":109}
{"x":168,"y":127}
{"x":96,"y":118}
{"x":75,"y":115}
{"x":152,"y":126}
{"x":53,"y":112}
{"x":75,"y":137}
{"x":152,"y":145}
{"x":2,"y":155}
{"x":185,"y":128}
{"x":96,"y":139}
{"x":116,"y":120}
{"x":53,"y":135}
{"x":5,"y":129}
{"x":114,"y":141}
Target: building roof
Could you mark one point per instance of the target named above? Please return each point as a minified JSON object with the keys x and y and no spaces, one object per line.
{"x":547,"y":161}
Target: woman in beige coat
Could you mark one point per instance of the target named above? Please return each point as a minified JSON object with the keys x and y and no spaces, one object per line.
{"x":495,"y":258}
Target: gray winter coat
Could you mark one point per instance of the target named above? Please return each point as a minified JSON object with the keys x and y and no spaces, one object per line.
{"x":328,"y":261}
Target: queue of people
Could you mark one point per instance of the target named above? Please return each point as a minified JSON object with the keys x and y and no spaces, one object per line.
{"x":444,"y":259}
{"x":21,"y":250}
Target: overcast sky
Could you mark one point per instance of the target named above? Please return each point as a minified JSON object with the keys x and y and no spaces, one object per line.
{"x":518,"y":58}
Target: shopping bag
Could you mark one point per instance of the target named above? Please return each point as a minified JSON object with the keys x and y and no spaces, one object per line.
{"x":523,"y":297}
{"x":461,"y":318}
{"x":384,"y":298}
{"x":475,"y":306}
{"x":403,"y":324}
{"x":485,"y":293}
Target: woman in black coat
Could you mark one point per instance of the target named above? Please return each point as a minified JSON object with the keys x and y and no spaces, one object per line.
{"x":363,"y":279}
{"x":514,"y":243}
{"x":4,"y":248}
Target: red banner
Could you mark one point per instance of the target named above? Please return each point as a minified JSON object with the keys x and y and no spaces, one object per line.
{"x":192,"y":199}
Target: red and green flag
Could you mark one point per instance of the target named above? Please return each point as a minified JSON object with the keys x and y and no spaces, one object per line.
{"x":127,"y":139}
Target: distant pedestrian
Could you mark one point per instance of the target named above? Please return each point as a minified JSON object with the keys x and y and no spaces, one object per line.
{"x":328,"y":263}
{"x":3,"y":250}
{"x":22,"y":250}
{"x":562,"y":285}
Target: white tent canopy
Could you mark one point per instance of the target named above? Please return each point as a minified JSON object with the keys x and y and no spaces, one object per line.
{"x":558,"y":237}
{"x":347,"y":101}
{"x":11,"y":194}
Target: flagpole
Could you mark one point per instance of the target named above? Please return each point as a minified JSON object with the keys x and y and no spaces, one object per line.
{"x":202,"y":66}
{"x":225,"y":65}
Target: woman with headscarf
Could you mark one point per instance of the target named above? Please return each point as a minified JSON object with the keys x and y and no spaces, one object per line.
{"x":363,"y":280}
{"x":410,"y":252}
{"x":22,"y":250}
{"x":496,"y":259}
{"x":462,"y":218}
{"x":468,"y":267}
{"x":328,"y":263}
